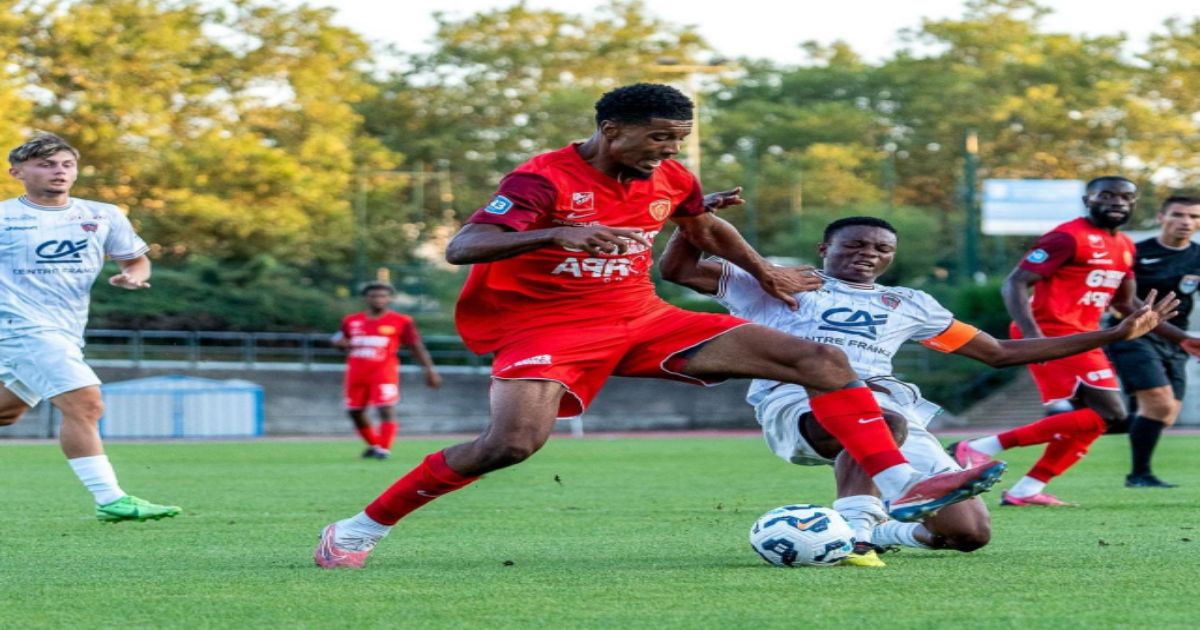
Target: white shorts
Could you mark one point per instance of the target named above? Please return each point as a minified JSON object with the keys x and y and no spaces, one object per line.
{"x":779,"y":414}
{"x":43,"y":363}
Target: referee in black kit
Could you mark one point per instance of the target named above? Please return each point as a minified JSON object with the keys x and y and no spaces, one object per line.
{"x":1152,"y":370}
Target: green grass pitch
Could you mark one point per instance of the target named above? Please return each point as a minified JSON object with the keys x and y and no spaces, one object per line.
{"x":614,"y":533}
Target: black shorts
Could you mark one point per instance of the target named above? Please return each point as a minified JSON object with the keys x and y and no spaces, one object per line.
{"x":1149,"y":362}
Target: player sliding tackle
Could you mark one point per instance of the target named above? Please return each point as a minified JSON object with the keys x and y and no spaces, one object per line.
{"x":870,"y":322}
{"x":560,"y":291}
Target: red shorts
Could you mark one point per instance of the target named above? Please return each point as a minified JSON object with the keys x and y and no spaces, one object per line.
{"x":1059,"y":379}
{"x":581,"y":356}
{"x":363,"y":393}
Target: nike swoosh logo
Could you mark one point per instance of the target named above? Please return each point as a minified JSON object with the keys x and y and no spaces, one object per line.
{"x":1149,"y":261}
{"x":870,"y":420}
{"x":428,"y":494}
{"x":579,"y":215}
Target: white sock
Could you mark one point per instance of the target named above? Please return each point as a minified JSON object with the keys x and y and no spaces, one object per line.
{"x":864,"y":512}
{"x":1027,"y":487}
{"x":989,"y":445}
{"x":98,"y":476}
{"x":892,"y":481}
{"x":360,"y":532}
{"x":897,"y":533}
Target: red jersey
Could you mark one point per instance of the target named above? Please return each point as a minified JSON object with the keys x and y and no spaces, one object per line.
{"x":1082,"y":266}
{"x":375,"y":342}
{"x":559,"y":285}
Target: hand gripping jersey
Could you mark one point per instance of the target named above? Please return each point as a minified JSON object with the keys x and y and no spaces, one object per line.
{"x":559,"y":285}
{"x":49,"y":258}
{"x":867,"y":322}
{"x":374,"y":344}
{"x":1082,"y":266}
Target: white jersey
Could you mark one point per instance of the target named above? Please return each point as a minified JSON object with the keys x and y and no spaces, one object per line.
{"x":867,"y":322}
{"x":49,"y":258}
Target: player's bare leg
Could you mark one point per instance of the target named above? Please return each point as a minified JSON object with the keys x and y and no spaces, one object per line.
{"x":523,"y":416}
{"x":79,"y":436}
{"x":11,"y":407}
{"x":845,"y":408}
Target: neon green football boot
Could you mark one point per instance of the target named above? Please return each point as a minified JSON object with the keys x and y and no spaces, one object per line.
{"x":131,"y":508}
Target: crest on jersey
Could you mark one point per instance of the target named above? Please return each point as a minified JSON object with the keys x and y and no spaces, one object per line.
{"x":89,"y":226}
{"x":660,"y":209}
{"x":583,"y":201}
{"x":890,"y":300}
{"x":1188,"y":284}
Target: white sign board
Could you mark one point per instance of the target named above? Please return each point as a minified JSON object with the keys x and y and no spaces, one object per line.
{"x":1029,"y":206}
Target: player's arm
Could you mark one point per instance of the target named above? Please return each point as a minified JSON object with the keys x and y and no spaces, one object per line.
{"x":682,"y":263}
{"x":421,"y":354}
{"x":481,"y":242}
{"x":1052,"y":250}
{"x":1125,"y":301}
{"x":710,"y":234}
{"x":965,"y":340}
{"x":134,"y":274}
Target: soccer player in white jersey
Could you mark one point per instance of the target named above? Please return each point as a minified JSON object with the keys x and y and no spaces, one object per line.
{"x":52,"y":247}
{"x":869,"y":322}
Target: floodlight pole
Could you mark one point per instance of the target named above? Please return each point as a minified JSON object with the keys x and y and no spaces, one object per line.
{"x":970,"y":205}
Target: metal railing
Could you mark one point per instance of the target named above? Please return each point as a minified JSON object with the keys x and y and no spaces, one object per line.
{"x":246,"y":349}
{"x":134,"y":348}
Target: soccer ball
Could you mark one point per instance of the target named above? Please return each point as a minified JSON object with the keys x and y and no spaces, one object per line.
{"x":802,"y":535}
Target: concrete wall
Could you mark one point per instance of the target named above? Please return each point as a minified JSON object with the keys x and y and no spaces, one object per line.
{"x":301,"y":402}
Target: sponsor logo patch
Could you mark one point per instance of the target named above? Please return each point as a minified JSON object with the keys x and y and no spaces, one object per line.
{"x":852,"y":322}
{"x":1037,"y":256}
{"x":61,"y":251}
{"x":1188,"y":284}
{"x":499,"y":205}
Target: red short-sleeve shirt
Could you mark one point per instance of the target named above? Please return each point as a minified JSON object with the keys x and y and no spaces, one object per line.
{"x":554,"y":284}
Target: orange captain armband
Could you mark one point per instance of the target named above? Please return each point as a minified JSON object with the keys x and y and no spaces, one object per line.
{"x":956,"y":335}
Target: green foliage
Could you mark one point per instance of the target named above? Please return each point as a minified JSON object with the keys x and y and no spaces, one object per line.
{"x":208,"y":294}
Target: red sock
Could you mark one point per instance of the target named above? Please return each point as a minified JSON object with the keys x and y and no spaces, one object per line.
{"x":368,"y":435}
{"x":429,"y":480}
{"x":387,"y":434}
{"x":1061,"y":454}
{"x":1045,"y":430}
{"x":842,"y":414}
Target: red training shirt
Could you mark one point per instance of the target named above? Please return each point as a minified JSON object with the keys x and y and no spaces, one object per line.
{"x":1082,"y":266}
{"x":375,"y":343}
{"x":555,"y":285}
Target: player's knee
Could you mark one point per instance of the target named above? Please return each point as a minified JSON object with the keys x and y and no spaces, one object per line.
{"x":974,"y":537}
{"x":88,"y":411}
{"x":823,"y":367}
{"x":10,"y":415}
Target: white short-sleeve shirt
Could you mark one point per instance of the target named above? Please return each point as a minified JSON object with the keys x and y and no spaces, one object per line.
{"x":867,"y":322}
{"x":51,"y":256}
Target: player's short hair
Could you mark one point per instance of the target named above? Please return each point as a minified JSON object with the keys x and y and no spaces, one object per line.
{"x":833,"y":228}
{"x":1107,"y":179}
{"x":377,"y":286}
{"x":640,"y":102}
{"x":1183,"y":200}
{"x":41,"y":145}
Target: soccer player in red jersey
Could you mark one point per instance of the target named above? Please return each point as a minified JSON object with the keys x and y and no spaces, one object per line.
{"x":560,"y":291}
{"x":372,"y":340}
{"x":1076,"y":271}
